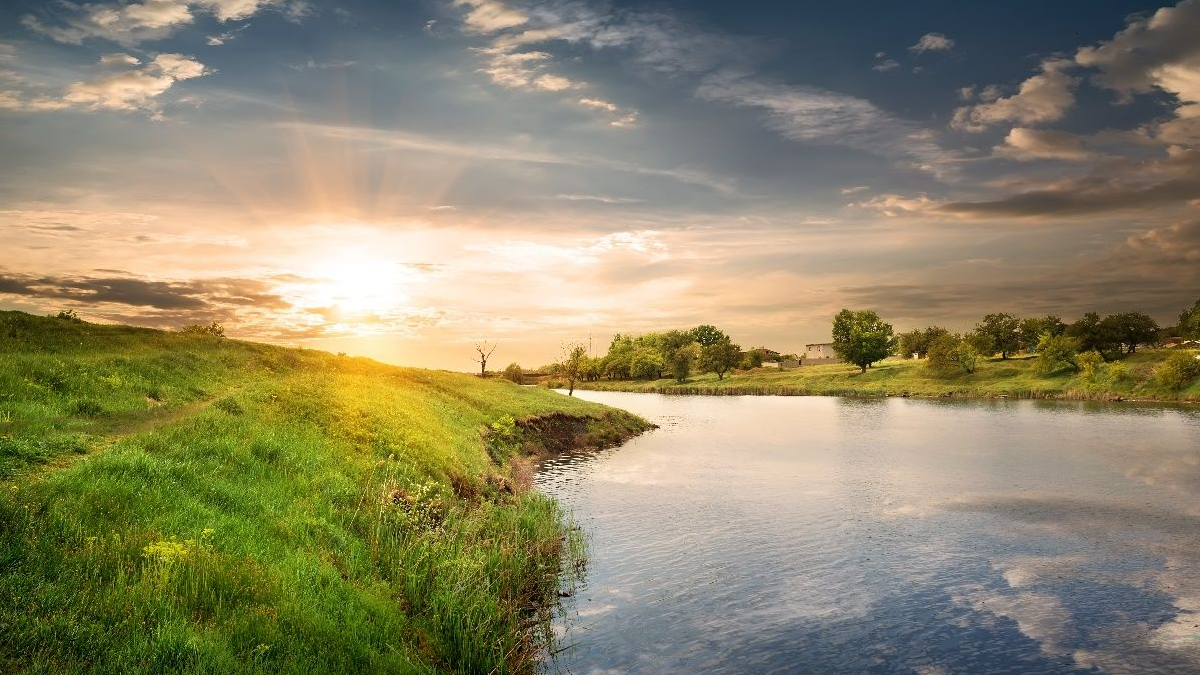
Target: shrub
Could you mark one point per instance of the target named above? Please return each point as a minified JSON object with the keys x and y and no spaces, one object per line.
{"x":513,"y":373}
{"x":68,"y":315}
{"x":86,"y":407}
{"x":1177,"y":370}
{"x":213,"y":329}
{"x":949,"y":353}
{"x":1118,"y":372}
{"x":1056,"y":352}
{"x":229,"y":405}
{"x":1089,"y":364}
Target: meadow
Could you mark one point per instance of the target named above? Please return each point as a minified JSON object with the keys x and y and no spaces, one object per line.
{"x":1131,"y":378}
{"x":175,"y":503}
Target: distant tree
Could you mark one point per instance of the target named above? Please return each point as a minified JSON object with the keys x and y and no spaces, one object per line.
{"x":917,"y":341}
{"x":212,"y":329}
{"x":1033,"y":328}
{"x":1001,"y":333}
{"x":679,"y":352}
{"x":707,"y":335}
{"x":1133,"y":328}
{"x":720,"y":356}
{"x":574,"y":358}
{"x":591,"y":369}
{"x":752,"y":359}
{"x":1189,"y":322}
{"x":861,"y":338}
{"x":646,"y":364}
{"x":68,"y":315}
{"x":513,"y":373}
{"x":1089,"y":364}
{"x":1096,"y":334}
{"x":1056,"y":352}
{"x":949,"y":353}
{"x":484,"y":352}
{"x":1177,"y":370}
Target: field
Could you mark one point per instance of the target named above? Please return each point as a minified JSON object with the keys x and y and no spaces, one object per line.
{"x":177,"y":503}
{"x":1014,"y":377}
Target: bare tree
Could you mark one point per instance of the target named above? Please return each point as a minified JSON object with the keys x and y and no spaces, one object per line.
{"x":574,"y":357}
{"x":484,"y":349}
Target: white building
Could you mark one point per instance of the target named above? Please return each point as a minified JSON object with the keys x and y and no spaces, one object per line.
{"x":820,"y":350}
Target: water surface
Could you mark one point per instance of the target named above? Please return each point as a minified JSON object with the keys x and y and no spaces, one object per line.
{"x":829,"y":535}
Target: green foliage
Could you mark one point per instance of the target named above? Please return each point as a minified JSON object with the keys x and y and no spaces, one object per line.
{"x":998,"y":333}
{"x":950,"y":354}
{"x":752,"y":359}
{"x":861,"y":338}
{"x":1090,"y":365}
{"x":1033,"y":328}
{"x":213,"y":329}
{"x":513,"y":373}
{"x":1189,"y":322}
{"x":1132,"y":329}
{"x":350,"y":520}
{"x":1178,"y":370}
{"x":917,"y":341}
{"x":707,"y":335}
{"x":572,"y":366}
{"x":1096,"y":334}
{"x":1056,"y":352}
{"x":646,"y":364}
{"x":68,"y":315}
{"x":720,"y":357}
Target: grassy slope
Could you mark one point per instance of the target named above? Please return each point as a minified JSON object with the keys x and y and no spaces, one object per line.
{"x":1014,"y":377}
{"x":176,"y":503}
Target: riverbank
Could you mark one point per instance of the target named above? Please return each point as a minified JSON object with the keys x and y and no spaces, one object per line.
{"x":184,"y":503}
{"x":994,"y":378}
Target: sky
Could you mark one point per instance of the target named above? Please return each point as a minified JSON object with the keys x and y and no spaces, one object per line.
{"x":405,"y":179}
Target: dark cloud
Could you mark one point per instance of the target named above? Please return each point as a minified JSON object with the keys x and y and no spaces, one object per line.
{"x":1085,"y":196}
{"x":132,"y":291}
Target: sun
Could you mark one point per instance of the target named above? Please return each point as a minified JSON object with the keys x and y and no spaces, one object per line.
{"x":358,"y":284}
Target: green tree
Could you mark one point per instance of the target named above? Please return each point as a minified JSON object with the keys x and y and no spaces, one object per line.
{"x":212,"y":329}
{"x":513,"y":373}
{"x":1033,"y":328}
{"x":707,"y":335}
{"x":949,"y":353}
{"x":719,"y":357}
{"x":1133,"y":329}
{"x":752,"y":359}
{"x":917,"y":341}
{"x":861,"y":337}
{"x":1056,"y":352}
{"x":999,"y":333}
{"x":1095,"y":333}
{"x":1189,"y":322}
{"x":1089,"y":364}
{"x":646,"y":364}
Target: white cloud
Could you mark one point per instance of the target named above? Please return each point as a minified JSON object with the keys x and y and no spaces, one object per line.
{"x":1024,"y":144}
{"x":488,"y":16}
{"x":137,"y":88}
{"x":932,"y":42}
{"x":855,"y":189}
{"x":1044,"y":97}
{"x":146,"y":21}
{"x":548,"y":82}
{"x":810,"y":114}
{"x":884,"y":66}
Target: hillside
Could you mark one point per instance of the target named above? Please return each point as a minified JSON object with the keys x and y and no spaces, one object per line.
{"x":191,"y":504}
{"x":1015,"y":377}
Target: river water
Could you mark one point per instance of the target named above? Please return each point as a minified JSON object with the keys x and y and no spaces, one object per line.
{"x":816,"y":535}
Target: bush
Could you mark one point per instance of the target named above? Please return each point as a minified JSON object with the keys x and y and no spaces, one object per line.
{"x":214,"y":329}
{"x":513,"y":373}
{"x":1118,"y":372}
{"x":1056,"y":352}
{"x":1178,"y":370}
{"x":229,"y":405}
{"x":949,"y":352}
{"x":1089,"y":364}
{"x":69,"y":315}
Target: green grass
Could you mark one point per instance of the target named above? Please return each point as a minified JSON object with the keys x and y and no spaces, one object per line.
{"x":186,"y":504}
{"x":1015,"y":377}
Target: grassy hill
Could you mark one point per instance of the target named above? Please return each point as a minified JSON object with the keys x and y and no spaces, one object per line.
{"x":177,"y":503}
{"x":1015,"y":377}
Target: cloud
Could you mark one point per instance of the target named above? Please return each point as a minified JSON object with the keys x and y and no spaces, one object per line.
{"x":146,"y":21}
{"x":488,"y":16}
{"x":810,"y":114}
{"x":602,"y":199}
{"x":138,"y":292}
{"x":1045,"y":97}
{"x":129,"y":90}
{"x":932,"y":42}
{"x":221,"y":38}
{"x":1158,"y":52}
{"x":855,"y":189}
{"x":884,"y":66}
{"x":1024,"y":144}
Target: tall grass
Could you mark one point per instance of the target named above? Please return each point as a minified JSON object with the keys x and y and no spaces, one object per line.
{"x":233,"y":507}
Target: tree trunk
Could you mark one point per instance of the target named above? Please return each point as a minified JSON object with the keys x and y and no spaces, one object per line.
{"x":864,"y":369}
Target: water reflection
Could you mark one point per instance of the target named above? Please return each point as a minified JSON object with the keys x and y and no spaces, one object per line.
{"x":825,"y":535}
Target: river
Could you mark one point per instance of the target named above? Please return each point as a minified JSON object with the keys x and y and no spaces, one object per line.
{"x":819,"y":535}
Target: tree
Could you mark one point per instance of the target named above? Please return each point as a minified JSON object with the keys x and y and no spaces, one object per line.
{"x":707,"y":335}
{"x":1094,"y":333}
{"x":1189,"y":322}
{"x":861,"y":338}
{"x":646,"y":364}
{"x":951,"y":352}
{"x":1133,"y":328}
{"x":484,"y":351}
{"x":679,"y":351}
{"x":513,"y":373}
{"x":212,"y":329}
{"x":1000,"y":333}
{"x":752,"y":359}
{"x":1033,"y":328}
{"x":1177,"y":370}
{"x":1056,"y":352}
{"x":917,"y":341}
{"x":574,"y":358}
{"x":720,"y":356}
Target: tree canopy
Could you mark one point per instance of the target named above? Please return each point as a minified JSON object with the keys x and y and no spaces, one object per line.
{"x":861,"y":337}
